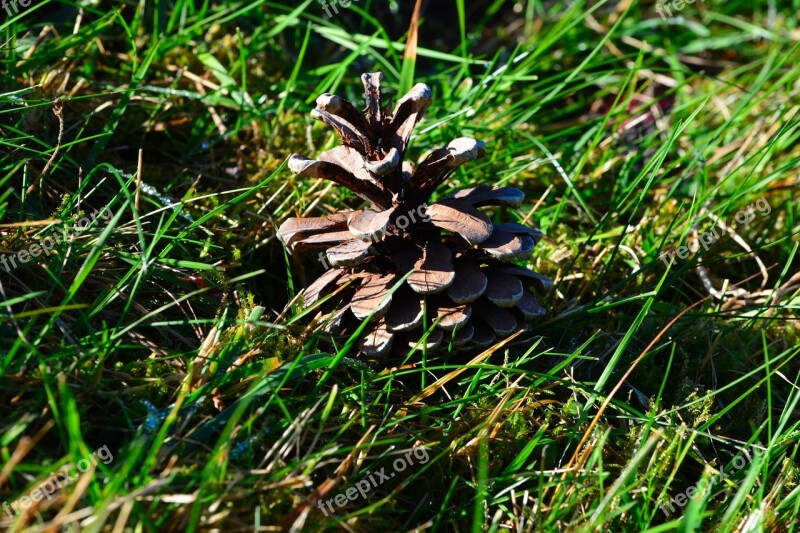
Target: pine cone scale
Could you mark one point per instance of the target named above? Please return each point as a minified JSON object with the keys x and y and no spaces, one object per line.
{"x":471,"y":282}
{"x":504,"y":291}
{"x":373,"y":296}
{"x":349,"y":253}
{"x":433,"y":272}
{"x":406,"y":313}
{"x":369,"y":225}
{"x":340,"y":107}
{"x":462,"y":219}
{"x":484,"y":195}
{"x":324,"y":170}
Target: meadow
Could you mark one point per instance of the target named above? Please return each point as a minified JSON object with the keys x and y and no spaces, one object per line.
{"x":153,"y":312}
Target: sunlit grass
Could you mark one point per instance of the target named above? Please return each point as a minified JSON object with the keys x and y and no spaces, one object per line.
{"x":169,"y":331}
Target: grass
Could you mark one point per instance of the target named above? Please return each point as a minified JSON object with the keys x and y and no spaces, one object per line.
{"x":169,"y":333}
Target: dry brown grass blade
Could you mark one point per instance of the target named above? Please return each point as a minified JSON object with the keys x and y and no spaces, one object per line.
{"x":25,"y":445}
{"x":492,"y":424}
{"x":413,"y":34}
{"x":74,"y":498}
{"x":138,"y":182}
{"x":58,"y":112}
{"x":30,"y":223}
{"x":439,"y":383}
{"x":329,"y":484}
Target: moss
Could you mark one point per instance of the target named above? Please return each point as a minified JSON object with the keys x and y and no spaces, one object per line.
{"x":699,"y":406}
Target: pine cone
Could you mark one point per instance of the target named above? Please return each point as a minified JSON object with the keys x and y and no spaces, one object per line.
{"x":459,"y":261}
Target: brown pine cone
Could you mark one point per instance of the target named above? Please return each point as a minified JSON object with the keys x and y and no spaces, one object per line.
{"x":402,"y":263}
